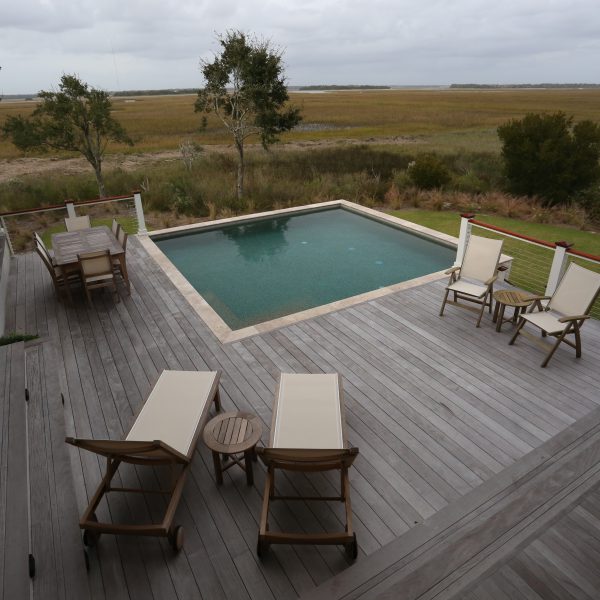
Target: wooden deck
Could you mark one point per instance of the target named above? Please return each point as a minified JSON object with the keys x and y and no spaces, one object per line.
{"x":436,"y":407}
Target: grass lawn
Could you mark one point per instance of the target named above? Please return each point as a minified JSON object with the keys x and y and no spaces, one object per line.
{"x":449,"y":222}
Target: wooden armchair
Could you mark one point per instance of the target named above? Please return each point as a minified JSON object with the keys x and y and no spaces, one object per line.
{"x":565,"y":312}
{"x":473,"y":281}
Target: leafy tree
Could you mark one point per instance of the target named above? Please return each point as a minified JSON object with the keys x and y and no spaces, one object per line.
{"x":546,"y":155}
{"x":245,"y":88}
{"x":76,"y":118}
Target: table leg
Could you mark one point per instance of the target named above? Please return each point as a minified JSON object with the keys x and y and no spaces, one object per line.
{"x":248,"y":465}
{"x":500,"y":317}
{"x":495,"y":317}
{"x":218,"y":470}
{"x":516,"y":314}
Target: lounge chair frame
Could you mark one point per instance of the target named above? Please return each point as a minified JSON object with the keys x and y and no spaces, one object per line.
{"x":573,"y":324}
{"x":484,"y":300}
{"x":306,"y":461}
{"x":150,"y":453}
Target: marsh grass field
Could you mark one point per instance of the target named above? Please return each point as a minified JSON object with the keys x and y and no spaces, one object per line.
{"x":445,"y":119}
{"x":355,"y":145}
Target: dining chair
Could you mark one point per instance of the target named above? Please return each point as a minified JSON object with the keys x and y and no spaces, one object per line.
{"x":77,"y":223}
{"x":97,"y":271}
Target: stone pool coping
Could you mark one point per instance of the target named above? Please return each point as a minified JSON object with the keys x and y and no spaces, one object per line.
{"x":222,"y":331}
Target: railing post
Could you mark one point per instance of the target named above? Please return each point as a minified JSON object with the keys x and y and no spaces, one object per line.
{"x":139,"y":211}
{"x":70,"y":208}
{"x":4,"y":228}
{"x":558,"y":266}
{"x":463,"y":236}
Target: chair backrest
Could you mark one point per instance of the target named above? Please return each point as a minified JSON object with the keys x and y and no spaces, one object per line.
{"x":115,"y":228}
{"x":95,"y":263}
{"x":47,"y":263}
{"x":77,"y":223}
{"x":481,"y":258}
{"x":576,"y":291}
{"x":39,"y":242}
{"x":122,"y":237}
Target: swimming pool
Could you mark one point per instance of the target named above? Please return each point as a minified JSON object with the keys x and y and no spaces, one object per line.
{"x":257,"y":271}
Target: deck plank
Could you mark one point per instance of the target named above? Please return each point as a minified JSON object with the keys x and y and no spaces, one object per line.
{"x":437,"y":408}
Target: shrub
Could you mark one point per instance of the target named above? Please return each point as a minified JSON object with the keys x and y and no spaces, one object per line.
{"x":429,"y":172}
{"x":547,"y":155}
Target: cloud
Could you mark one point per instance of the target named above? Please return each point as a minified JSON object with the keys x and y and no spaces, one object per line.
{"x":158,"y":44}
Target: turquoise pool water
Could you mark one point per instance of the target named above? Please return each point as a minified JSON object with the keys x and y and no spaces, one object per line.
{"x":262,"y":270}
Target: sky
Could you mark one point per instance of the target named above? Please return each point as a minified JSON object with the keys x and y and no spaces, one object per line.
{"x":158,"y":44}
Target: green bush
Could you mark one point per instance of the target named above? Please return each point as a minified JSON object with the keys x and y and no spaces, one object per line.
{"x":428,"y":172}
{"x":546,"y":155}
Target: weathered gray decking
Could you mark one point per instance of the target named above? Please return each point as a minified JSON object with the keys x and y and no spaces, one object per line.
{"x":435,"y":406}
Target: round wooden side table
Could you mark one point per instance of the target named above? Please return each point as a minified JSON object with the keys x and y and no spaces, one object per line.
{"x":230,"y":434}
{"x":514,"y":298}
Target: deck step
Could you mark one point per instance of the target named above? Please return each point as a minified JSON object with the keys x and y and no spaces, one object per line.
{"x":38,"y":513}
{"x":472,"y":537}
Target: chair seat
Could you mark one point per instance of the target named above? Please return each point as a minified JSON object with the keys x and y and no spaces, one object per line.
{"x":548,"y":321}
{"x":466,"y":287}
{"x":309,"y":413}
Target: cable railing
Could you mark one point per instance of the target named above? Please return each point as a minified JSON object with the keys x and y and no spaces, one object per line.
{"x":19,"y":225}
{"x":531,"y":258}
{"x":536,"y":265}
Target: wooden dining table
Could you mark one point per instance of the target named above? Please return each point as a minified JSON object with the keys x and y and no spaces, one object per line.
{"x":68,"y":245}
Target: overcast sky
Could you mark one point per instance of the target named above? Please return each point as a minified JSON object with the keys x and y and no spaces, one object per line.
{"x":144,"y":44}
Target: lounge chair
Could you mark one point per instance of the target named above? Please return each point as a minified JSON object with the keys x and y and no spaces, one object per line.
{"x":165,"y":432}
{"x":474,"y":280}
{"x":97,"y":271}
{"x":77,"y":223}
{"x":565,"y":312}
{"x":308,"y":433}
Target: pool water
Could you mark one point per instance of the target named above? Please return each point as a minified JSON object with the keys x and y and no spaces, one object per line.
{"x":258,"y":271}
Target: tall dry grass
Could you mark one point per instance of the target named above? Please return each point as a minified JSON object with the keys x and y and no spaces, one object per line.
{"x":450,"y":118}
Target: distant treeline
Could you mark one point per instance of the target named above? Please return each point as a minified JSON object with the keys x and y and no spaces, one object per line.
{"x":312,"y":88}
{"x":169,"y":92}
{"x":494,"y":86}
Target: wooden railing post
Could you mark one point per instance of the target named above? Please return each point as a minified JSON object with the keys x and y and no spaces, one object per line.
{"x":463,"y":236}
{"x":558,"y":266}
{"x":139,"y":211}
{"x":70,"y":208}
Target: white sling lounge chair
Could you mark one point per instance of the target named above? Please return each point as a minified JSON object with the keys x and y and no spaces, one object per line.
{"x":566,"y":310}
{"x":474,"y":280}
{"x":308,"y":433}
{"x":165,"y":433}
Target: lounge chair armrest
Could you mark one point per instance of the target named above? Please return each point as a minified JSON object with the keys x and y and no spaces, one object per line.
{"x":538,"y":298}
{"x":451,"y":270}
{"x":575,"y":318}
{"x":130,"y":451}
{"x":491,"y":280}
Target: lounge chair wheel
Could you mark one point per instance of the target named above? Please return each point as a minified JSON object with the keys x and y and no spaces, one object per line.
{"x":262,"y":548}
{"x":352,"y":548}
{"x":176,"y":538}
{"x":90,"y":538}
